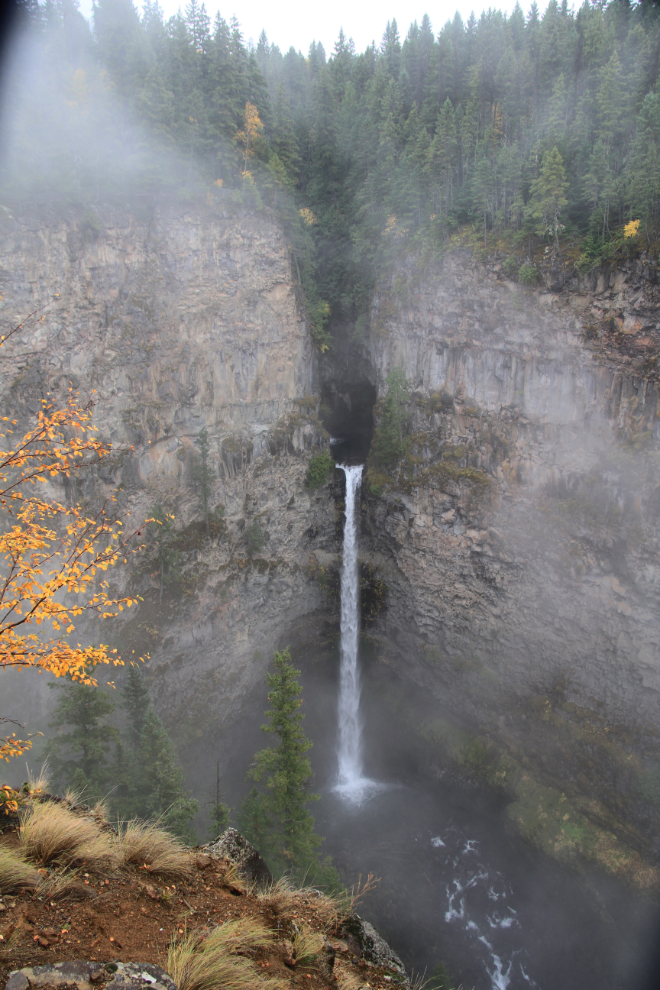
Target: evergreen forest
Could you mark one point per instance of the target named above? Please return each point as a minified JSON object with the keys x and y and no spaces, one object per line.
{"x":538,"y":132}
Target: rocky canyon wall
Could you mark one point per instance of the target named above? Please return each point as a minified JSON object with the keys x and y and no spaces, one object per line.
{"x":171,"y":321}
{"x":511,"y":561}
{"x":524,"y":526}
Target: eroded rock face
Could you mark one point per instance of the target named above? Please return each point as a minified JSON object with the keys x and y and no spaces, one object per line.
{"x":523,"y":530}
{"x":514,"y":555}
{"x":171,"y":323}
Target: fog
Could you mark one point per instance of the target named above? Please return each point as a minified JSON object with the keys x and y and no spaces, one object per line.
{"x":495,"y":561}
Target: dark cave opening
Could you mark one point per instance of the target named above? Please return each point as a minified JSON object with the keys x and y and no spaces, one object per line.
{"x":347,"y":415}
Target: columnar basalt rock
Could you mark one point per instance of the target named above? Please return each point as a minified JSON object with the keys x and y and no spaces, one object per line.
{"x":171,"y":323}
{"x":518,"y":539}
{"x":522,"y":529}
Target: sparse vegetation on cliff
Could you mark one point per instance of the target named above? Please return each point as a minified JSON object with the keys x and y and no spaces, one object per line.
{"x":320,"y":466}
{"x":140,"y":895}
{"x":388,"y":445}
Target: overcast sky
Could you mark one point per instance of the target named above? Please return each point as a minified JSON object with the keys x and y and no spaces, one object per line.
{"x":296,"y":23}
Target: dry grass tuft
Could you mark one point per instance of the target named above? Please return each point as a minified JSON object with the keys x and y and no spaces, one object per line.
{"x":282,"y":897}
{"x":207,"y":963}
{"x":307,"y":944}
{"x":346,"y":978}
{"x":100,"y":812}
{"x":233,"y":879}
{"x":344,"y":904}
{"x":40,"y":783}
{"x":59,"y":883}
{"x":145,"y":844}
{"x":15,"y":873}
{"x":51,"y":832}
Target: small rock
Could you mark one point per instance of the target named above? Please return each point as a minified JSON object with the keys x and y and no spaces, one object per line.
{"x":152,"y":892}
{"x":203,"y":861}
{"x":232,"y":845}
{"x":17,"y":981}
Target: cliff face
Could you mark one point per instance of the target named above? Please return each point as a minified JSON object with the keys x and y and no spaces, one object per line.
{"x":512,"y":565}
{"x":172,"y":323}
{"x":546,"y":565}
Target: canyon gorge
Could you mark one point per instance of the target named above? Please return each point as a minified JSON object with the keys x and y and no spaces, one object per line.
{"x":509,"y":563}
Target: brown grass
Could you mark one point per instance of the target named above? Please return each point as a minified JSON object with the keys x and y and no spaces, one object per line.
{"x":52,"y":833}
{"x":59,"y":883}
{"x":307,"y":944}
{"x":347,"y":979}
{"x":15,"y":873}
{"x":199,"y":962}
{"x":146,"y":844}
{"x":281,"y":897}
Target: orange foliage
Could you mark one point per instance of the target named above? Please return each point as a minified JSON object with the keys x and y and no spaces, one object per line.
{"x":52,"y":555}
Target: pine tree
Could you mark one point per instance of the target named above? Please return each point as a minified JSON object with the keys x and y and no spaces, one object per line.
{"x":167,"y":556}
{"x":219,"y":810}
{"x":135,"y":696}
{"x":204,"y":474}
{"x":81,"y":757}
{"x":162,"y":792}
{"x":548,"y":197}
{"x":278,"y":821}
{"x":388,"y":444}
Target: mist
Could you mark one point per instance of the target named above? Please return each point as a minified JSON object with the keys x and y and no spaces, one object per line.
{"x":435,"y":261}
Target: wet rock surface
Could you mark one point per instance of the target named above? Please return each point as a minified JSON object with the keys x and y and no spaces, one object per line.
{"x":233,"y":846}
{"x":86,"y":975}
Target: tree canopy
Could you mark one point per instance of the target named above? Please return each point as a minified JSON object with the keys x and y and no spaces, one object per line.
{"x":532,"y":128}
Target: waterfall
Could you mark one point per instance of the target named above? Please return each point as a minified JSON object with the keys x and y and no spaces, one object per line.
{"x":351,"y":781}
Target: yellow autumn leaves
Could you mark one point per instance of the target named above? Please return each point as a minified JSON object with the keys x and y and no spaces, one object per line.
{"x":51,"y":554}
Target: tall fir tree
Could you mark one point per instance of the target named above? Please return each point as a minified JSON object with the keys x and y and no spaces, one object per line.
{"x":277,"y":820}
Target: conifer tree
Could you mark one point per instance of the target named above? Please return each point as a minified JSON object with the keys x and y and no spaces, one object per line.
{"x":278,"y":821}
{"x":388,"y":442}
{"x":162,"y":793}
{"x":548,"y":197}
{"x":219,"y":810}
{"x":204,"y":475}
{"x":135,"y":696}
{"x":167,"y":556}
{"x":81,"y":757}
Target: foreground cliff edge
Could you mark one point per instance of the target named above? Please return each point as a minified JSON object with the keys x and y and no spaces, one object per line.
{"x":511,"y":558}
{"x":136,"y":908}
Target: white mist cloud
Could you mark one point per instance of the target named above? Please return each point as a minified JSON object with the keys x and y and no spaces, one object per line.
{"x":299,"y":24}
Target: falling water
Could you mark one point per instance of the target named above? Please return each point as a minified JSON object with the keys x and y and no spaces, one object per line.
{"x":352,"y":784}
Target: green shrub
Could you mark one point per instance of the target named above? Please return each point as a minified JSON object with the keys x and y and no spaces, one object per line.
{"x":319,"y":314}
{"x":528,"y":275}
{"x":320,"y":466}
{"x":388,"y":444}
{"x":511,"y":267}
{"x":255,"y":538}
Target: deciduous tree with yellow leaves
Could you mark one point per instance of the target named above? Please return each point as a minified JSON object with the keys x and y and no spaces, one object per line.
{"x":52,"y":555}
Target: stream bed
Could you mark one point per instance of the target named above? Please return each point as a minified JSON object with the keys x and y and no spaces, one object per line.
{"x":456,"y":887}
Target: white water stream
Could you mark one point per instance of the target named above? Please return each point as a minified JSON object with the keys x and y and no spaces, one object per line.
{"x":351,"y":784}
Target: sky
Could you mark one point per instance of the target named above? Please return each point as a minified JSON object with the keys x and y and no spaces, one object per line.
{"x":292,"y":22}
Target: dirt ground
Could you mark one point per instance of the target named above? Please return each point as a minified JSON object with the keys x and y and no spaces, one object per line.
{"x":133,"y":917}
